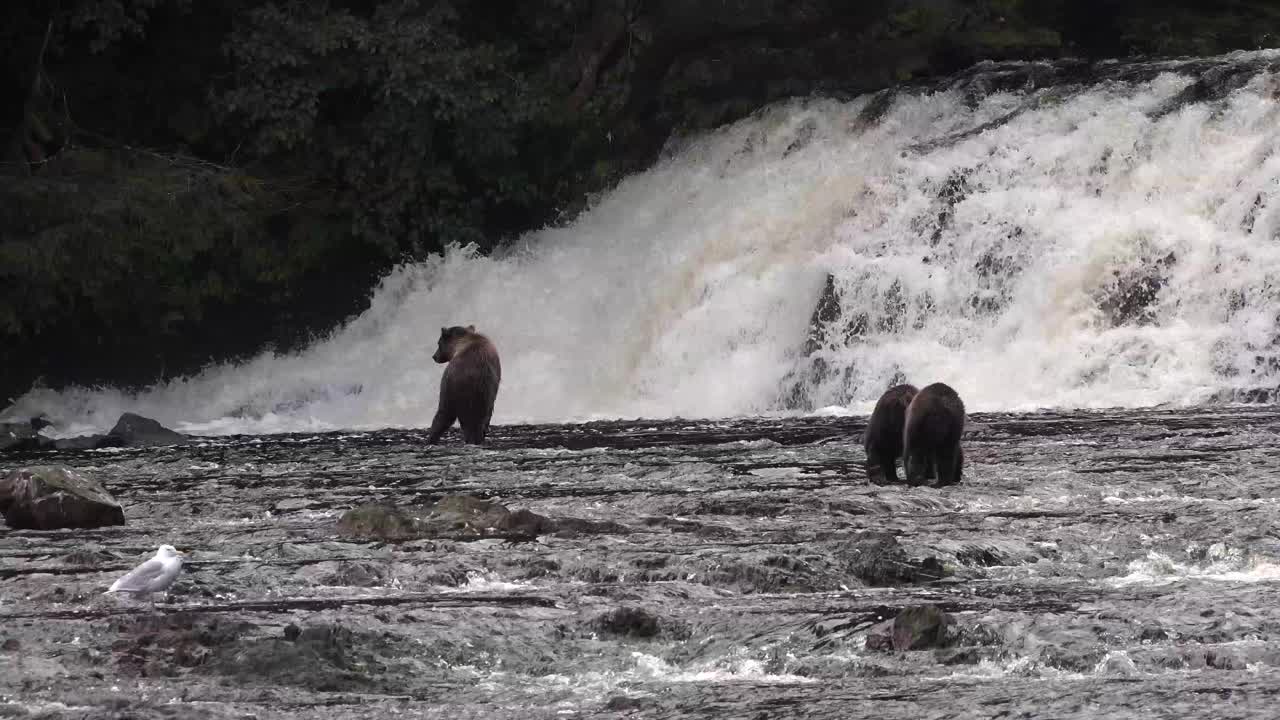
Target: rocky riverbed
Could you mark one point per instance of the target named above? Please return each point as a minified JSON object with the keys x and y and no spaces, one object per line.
{"x":1118,"y":564}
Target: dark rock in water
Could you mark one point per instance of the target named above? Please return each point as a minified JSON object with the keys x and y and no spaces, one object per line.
{"x":825,"y":312}
{"x":358,"y":574}
{"x":876,"y":109}
{"x":11,"y":645}
{"x":527,"y":523}
{"x":18,"y":436}
{"x":326,"y":658}
{"x":879,"y":561}
{"x":137,"y":431}
{"x":1130,"y":296}
{"x":624,"y":702}
{"x":1153,"y":633}
{"x":981,"y":556}
{"x":451,"y":516}
{"x":168,"y":645}
{"x":965,"y":656}
{"x":1213,"y":84}
{"x":454,"y":515}
{"x":919,"y":627}
{"x":1252,"y":396}
{"x":49,"y":497}
{"x":810,"y":370}
{"x":630,"y":622}
{"x":571,"y":527}
{"x":134,"y":431}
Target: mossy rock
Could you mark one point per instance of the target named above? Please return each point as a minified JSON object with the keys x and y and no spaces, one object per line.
{"x":378,"y":521}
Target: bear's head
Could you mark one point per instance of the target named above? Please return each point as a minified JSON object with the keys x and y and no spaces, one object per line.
{"x":451,"y":339}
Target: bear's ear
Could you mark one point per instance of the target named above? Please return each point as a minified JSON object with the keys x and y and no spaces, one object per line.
{"x":444,"y":331}
{"x":471,"y":328}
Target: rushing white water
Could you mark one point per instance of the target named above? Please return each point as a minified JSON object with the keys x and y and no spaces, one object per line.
{"x":1070,"y":248}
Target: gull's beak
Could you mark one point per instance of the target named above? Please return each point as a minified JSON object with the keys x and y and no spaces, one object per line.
{"x":184,"y":553}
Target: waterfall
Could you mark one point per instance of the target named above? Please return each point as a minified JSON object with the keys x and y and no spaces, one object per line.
{"x":1036,"y":235}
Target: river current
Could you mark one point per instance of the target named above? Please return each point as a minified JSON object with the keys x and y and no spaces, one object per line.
{"x":1117,"y":563}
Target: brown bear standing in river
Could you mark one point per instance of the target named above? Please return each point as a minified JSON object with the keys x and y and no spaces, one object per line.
{"x":883,"y":439}
{"x":469,"y":385}
{"x":931,"y":436}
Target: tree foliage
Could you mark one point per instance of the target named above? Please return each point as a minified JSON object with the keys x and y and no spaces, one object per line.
{"x":185,"y":181}
{"x":424,"y":134}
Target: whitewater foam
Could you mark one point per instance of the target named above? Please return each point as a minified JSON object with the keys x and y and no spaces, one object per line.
{"x":1221,"y":564}
{"x":1097,"y":247}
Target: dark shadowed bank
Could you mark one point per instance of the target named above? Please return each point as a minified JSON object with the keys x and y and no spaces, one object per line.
{"x":186,"y":182}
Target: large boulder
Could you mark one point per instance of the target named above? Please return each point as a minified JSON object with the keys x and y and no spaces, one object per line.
{"x":50,"y":497}
{"x":919,"y":627}
{"x":137,"y":431}
{"x":131,"y":430}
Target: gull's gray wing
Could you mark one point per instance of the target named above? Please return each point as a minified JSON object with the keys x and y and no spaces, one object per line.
{"x":150,"y":576}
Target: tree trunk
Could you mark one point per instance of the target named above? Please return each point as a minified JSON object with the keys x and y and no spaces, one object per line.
{"x":22,"y":134}
{"x":592,"y":52}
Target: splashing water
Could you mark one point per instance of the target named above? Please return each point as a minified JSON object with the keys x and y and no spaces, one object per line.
{"x":1096,"y":245}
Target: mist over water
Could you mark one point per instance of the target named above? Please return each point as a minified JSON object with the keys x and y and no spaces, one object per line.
{"x":1116,"y":244}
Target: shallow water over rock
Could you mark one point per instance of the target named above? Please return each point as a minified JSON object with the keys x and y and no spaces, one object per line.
{"x":1118,"y":563}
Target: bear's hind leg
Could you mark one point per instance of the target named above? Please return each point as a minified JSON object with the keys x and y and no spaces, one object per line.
{"x":443,"y":421}
{"x":471,"y":436}
{"x":916,"y":467}
{"x":880,"y":469}
{"x":955,"y":478}
{"x":472,"y":424}
{"x":949,"y":461}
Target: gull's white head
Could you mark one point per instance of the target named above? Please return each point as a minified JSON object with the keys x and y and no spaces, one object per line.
{"x":168,"y":551}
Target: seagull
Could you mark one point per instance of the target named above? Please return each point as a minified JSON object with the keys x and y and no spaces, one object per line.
{"x":154,"y":575}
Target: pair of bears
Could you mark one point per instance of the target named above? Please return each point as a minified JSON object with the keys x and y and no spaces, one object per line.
{"x":923,"y":428}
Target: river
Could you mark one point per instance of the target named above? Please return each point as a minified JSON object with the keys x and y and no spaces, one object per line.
{"x":1109,"y":563}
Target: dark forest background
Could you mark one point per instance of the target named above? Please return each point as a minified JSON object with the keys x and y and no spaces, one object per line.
{"x":185,"y":181}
